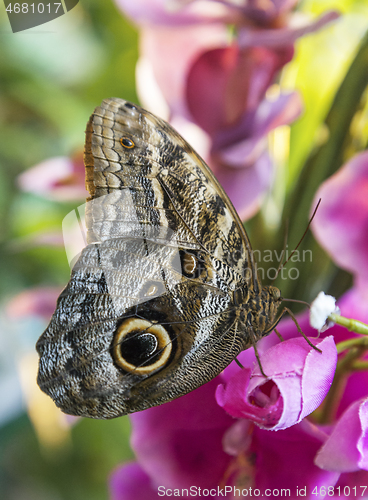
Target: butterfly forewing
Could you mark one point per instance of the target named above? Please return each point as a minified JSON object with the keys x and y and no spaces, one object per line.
{"x":152,"y":308}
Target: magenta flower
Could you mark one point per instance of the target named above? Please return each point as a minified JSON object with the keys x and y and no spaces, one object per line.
{"x":237,"y":117}
{"x":59,"y":178}
{"x":346,"y":449}
{"x":307,"y":454}
{"x":298,"y":379}
{"x":193,"y":442}
{"x":343,"y":449}
{"x":177,"y":445}
{"x":130,"y":482}
{"x":220,"y":84}
{"x":341,"y":226}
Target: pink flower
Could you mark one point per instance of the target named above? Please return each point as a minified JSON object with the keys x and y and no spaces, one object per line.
{"x":284,"y":460}
{"x":59,"y":178}
{"x":341,"y":226}
{"x":226,"y":98}
{"x":192,"y":441}
{"x":130,"y":482}
{"x":346,"y":449}
{"x":179,"y":444}
{"x":298,"y":379}
{"x":305,"y":454}
{"x":220,"y":84}
{"x":38,"y":301}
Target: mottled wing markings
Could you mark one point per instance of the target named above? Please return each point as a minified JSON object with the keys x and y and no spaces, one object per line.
{"x":169,"y":159}
{"x":146,"y":203}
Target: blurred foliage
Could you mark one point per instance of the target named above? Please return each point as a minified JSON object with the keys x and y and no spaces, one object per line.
{"x":51,"y":80}
{"x":330,"y":70}
{"x":78,"y":470}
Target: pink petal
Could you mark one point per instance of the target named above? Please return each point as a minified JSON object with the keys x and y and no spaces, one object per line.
{"x":180,"y":443}
{"x":298,"y":379}
{"x":130,"y":482}
{"x":165,"y":48}
{"x":363,"y":439}
{"x":285,"y":36}
{"x":173,"y":12}
{"x":356,"y":481}
{"x":238,"y":438}
{"x":341,"y":224}
{"x":237,"y":399}
{"x":319,"y":371}
{"x":59,"y":178}
{"x":284,"y":459}
{"x":346,"y":449}
{"x":34,"y":302}
{"x":224,"y":83}
{"x":269,"y":115}
{"x":245,"y":187}
{"x":353,"y":304}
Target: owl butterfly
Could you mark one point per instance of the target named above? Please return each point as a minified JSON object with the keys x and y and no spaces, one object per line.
{"x":165,"y":294}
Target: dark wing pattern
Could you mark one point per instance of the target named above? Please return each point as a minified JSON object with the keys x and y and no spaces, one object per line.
{"x":149,"y":312}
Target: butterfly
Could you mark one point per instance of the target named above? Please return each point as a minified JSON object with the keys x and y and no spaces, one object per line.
{"x":165,"y":294}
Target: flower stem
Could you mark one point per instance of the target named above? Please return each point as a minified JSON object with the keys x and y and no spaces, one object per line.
{"x":352,"y":325}
{"x":347,"y":344}
{"x":360,"y":366}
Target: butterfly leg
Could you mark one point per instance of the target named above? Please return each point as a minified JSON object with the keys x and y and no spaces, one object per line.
{"x":291,"y":314}
{"x":238,"y":363}
{"x":254,"y":344}
{"x":279,"y":335}
{"x":286,"y":310}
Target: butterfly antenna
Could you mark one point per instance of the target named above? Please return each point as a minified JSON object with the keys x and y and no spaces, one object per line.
{"x":283,"y":252}
{"x":298,"y":301}
{"x":301,"y":239}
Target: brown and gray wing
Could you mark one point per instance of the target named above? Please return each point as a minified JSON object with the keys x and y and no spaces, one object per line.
{"x":153,"y":184}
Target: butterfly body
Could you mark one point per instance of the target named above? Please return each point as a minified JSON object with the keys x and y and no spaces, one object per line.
{"x":165,"y":295}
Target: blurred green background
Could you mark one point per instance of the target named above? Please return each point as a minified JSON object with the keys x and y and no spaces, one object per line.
{"x":51,"y":79}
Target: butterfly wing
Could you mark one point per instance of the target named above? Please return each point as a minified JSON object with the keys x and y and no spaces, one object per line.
{"x":150,"y":311}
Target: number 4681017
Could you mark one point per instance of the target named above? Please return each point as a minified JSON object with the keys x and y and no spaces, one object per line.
{"x":40,"y":7}
{"x":337,"y":491}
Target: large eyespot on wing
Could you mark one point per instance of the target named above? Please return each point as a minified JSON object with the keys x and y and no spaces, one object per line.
{"x":115,"y":345}
{"x":141,"y":347}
